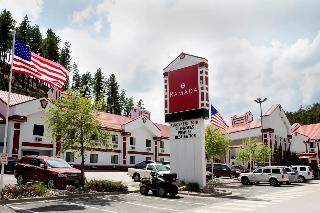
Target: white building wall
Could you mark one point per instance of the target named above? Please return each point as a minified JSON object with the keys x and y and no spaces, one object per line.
{"x":297,"y":143}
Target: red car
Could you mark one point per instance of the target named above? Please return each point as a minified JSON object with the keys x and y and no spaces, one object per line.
{"x":54,"y":172}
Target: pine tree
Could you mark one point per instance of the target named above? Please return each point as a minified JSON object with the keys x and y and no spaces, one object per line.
{"x":112,"y":93}
{"x":23,"y":30}
{"x":86,"y":82}
{"x":140,"y":104}
{"x":98,"y":85}
{"x":6,"y":26}
{"x":128,"y":106}
{"x":122,"y":101}
{"x":76,"y":79}
{"x":65,"y":61}
{"x":35,"y":39}
{"x":50,"y":46}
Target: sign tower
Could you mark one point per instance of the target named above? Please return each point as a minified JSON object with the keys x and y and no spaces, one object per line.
{"x":186,"y":106}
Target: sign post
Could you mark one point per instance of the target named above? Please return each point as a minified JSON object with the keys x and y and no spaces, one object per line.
{"x":187,"y":104}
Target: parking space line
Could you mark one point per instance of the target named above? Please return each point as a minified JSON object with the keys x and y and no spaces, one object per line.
{"x":232,"y":209}
{"x":92,"y":207}
{"x":169,"y":200}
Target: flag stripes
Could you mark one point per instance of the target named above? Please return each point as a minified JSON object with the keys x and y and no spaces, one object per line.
{"x":217,"y":120}
{"x":28,"y":63}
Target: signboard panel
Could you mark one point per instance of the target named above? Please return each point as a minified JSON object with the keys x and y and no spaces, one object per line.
{"x":183,"y":89}
{"x":3,"y":158}
{"x":188,"y":129}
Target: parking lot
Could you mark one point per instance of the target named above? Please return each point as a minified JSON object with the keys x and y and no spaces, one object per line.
{"x":243,"y":199}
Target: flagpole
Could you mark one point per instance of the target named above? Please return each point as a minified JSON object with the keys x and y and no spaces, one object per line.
{"x":8,"y":109}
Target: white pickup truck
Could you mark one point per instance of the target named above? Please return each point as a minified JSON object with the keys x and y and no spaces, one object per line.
{"x":138,"y":174}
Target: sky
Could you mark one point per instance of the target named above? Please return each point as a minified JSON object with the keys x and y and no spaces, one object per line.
{"x":265,"y":48}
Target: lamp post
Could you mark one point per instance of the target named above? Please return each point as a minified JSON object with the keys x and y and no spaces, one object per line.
{"x":260,"y":101}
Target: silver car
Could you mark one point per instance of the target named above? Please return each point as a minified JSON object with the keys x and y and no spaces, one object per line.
{"x":292,"y":174}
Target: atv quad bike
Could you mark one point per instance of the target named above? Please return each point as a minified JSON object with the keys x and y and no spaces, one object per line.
{"x":160,"y":186}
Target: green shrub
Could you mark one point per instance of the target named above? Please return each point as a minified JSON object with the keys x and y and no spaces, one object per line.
{"x":104,"y":186}
{"x":22,"y":191}
{"x":193,"y":187}
{"x":41,"y":187}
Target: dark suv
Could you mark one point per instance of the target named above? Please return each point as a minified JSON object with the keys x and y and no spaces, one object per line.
{"x":222,"y":170}
{"x":54,"y":172}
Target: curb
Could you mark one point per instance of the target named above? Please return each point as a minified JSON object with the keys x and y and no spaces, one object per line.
{"x":34,"y":199}
{"x":199,"y":194}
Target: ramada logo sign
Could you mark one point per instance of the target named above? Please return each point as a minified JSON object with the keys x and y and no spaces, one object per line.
{"x":183,"y":89}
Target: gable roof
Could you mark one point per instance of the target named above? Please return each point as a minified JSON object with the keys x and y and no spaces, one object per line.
{"x":112,"y":121}
{"x":312,"y":131}
{"x":14,"y":98}
{"x":251,"y":125}
{"x":183,"y":54}
{"x":271,"y":109}
{"x":165,"y":130}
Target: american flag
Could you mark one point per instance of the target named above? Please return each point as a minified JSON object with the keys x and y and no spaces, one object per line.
{"x":217,"y":120}
{"x":28,"y":63}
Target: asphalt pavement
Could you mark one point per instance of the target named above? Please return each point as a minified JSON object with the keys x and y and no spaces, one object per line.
{"x":262,"y":198}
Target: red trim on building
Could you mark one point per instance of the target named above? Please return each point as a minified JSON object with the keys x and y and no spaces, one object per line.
{"x":15,"y":141}
{"x":19,"y":118}
{"x":318,"y":150}
{"x":103,"y":167}
{"x":37,"y":144}
{"x":163,"y":154}
{"x":139,"y":153}
{"x":203,"y":64}
{"x":156,"y":150}
{"x":306,"y":147}
{"x":125,"y":133}
{"x":124,"y":153}
{"x":270,"y":130}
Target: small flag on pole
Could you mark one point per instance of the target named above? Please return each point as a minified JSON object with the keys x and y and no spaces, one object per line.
{"x":217,"y":120}
{"x":28,"y":63}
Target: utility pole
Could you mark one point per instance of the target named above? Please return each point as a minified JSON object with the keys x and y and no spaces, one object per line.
{"x":260,"y":101}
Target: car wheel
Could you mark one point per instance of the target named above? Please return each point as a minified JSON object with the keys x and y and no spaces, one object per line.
{"x":301,"y":179}
{"x":162,"y":192}
{"x":136,"y":177}
{"x":50,"y":184}
{"x":288,"y":183}
{"x":245,"y":181}
{"x":21,"y":180}
{"x":173,"y":191}
{"x":274,"y":182}
{"x":144,"y":190}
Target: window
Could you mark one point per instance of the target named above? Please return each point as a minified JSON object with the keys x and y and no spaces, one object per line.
{"x":312,"y":145}
{"x":148,"y":158}
{"x":132,"y":159}
{"x":148,"y":143}
{"x":267,"y":171}
{"x":38,"y":130}
{"x":124,"y":138}
{"x":114,"y":139}
{"x":132,"y":141}
{"x":161,"y":145}
{"x":258,"y":171}
{"x":161,"y":159}
{"x":93,"y":158}
{"x":69,"y":156}
{"x":114,"y":159}
{"x":303,"y":169}
{"x":276,"y":171}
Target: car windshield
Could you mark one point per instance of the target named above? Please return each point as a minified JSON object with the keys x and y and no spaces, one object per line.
{"x":58,"y":164}
{"x":161,"y":168}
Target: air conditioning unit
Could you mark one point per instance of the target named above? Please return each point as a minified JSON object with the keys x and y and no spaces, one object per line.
{"x":148,"y":149}
{"x":161,"y":150}
{"x":312,"y":150}
{"x":133,"y":147}
{"x":38,"y":139}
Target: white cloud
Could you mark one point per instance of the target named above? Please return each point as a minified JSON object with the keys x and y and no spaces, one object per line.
{"x":20,"y":8}
{"x":97,"y":26}
{"x":83,"y":15}
{"x":249,"y":55}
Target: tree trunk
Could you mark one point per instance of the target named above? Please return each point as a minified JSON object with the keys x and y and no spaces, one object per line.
{"x":212,"y":167}
{"x":82,"y":165}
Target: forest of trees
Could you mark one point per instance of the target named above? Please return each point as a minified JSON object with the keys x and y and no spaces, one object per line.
{"x":305,"y":115}
{"x":104,"y":91}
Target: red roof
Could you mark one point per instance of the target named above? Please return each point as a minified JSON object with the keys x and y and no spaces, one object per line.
{"x":271,"y":109}
{"x":251,"y":125}
{"x":312,"y":131}
{"x":14,"y":98}
{"x":112,"y":121}
{"x":165,"y":130}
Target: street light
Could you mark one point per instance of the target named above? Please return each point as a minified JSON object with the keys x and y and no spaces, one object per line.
{"x":260,"y":101}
